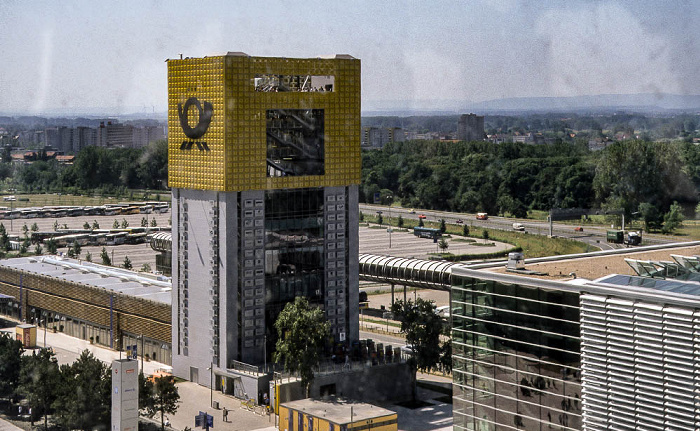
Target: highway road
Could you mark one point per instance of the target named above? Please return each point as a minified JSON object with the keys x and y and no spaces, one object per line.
{"x":593,"y":235}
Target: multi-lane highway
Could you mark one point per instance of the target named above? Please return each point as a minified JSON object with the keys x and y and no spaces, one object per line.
{"x":593,"y":235}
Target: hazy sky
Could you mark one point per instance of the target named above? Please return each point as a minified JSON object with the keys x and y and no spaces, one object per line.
{"x":76,"y":55}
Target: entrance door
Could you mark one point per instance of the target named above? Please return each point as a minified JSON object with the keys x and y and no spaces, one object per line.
{"x":194,"y":374}
{"x":238,"y":391}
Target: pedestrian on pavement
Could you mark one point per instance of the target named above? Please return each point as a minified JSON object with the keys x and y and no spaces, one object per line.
{"x":225,"y":415}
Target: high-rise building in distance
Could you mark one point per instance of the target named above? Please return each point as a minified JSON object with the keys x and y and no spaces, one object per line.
{"x":470,"y":128}
{"x":264,"y":165}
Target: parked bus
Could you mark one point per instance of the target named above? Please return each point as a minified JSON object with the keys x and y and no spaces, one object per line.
{"x":426,"y":232}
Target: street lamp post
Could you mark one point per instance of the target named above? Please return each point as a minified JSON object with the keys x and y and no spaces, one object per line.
{"x":140,"y":337}
{"x":211,"y":384}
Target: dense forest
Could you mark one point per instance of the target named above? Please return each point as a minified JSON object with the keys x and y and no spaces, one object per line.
{"x":512,"y":178}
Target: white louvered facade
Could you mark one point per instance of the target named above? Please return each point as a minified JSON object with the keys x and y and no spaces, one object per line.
{"x":640,"y":365}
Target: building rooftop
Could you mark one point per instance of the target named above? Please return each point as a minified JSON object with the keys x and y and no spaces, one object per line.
{"x":595,"y":265}
{"x":337,"y":410}
{"x":110,"y":278}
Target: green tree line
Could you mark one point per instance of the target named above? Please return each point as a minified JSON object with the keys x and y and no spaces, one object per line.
{"x":73,"y":396}
{"x":94,"y":168}
{"x":512,"y":178}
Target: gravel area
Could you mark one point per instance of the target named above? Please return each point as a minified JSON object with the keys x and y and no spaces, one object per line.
{"x":593,"y":268}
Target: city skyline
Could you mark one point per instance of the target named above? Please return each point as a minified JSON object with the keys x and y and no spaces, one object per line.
{"x":71,"y":57}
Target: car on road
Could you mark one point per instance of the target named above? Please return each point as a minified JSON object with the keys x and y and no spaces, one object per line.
{"x":518,"y":226}
{"x":459,"y":221}
{"x":482,"y":216}
{"x":578,"y":229}
{"x":412,"y":211}
{"x":421,"y":216}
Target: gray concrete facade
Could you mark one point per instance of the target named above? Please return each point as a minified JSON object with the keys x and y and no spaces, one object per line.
{"x":218,"y":270}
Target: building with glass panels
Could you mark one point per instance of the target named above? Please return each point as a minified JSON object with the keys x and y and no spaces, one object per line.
{"x":264,"y":164}
{"x":620,"y":352}
{"x":516,"y":354}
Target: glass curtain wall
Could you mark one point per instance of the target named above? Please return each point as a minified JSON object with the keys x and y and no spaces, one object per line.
{"x":294,"y":264}
{"x":516,"y":357}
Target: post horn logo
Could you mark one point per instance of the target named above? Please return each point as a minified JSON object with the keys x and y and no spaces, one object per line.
{"x":202,"y":126}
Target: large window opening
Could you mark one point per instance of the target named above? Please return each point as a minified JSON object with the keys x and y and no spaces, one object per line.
{"x":295,"y":142}
{"x":269,"y":83}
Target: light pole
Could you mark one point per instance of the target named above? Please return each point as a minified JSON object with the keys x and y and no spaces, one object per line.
{"x":140,"y":337}
{"x":211,"y":384}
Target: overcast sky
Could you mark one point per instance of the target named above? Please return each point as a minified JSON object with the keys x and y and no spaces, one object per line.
{"x":74,"y":55}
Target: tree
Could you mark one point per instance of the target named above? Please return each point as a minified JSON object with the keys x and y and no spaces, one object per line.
{"x":302,"y":330}
{"x":38,"y":250}
{"x":443,"y":244}
{"x":673,"y":219}
{"x":146,"y":267}
{"x":127,"y":263}
{"x":51,"y":246}
{"x":25,"y":229}
{"x":115,"y":225}
{"x":105,"y":257}
{"x":465,"y":230}
{"x":125,"y":224}
{"x":95,"y":225}
{"x":154,"y":223}
{"x":443,"y":226}
{"x":399,"y":222}
{"x":10,"y":362}
{"x":35,"y":227}
{"x":55,"y":225}
{"x":145,"y":393}
{"x":485,"y":235}
{"x":422,"y":327}
{"x":4,"y":238}
{"x":165,"y":398}
{"x":86,"y":226}
{"x":650,"y":215}
{"x":380,"y":219}
{"x":88,"y":257}
{"x":84,"y":400}
{"x":362,"y":216}
{"x":39,"y":381}
{"x":144,"y":222}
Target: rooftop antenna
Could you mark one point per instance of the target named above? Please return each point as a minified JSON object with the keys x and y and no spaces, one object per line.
{"x":180,"y":56}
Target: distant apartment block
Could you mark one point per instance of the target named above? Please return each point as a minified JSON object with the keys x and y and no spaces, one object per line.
{"x":377,"y":137}
{"x":109,"y":135}
{"x":470,"y":128}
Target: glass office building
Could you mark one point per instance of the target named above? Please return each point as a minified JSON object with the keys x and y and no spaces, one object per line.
{"x":516,"y":356}
{"x":264,"y":165}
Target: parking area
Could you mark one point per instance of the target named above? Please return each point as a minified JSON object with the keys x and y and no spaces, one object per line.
{"x":139,"y":254}
{"x":403,"y":243}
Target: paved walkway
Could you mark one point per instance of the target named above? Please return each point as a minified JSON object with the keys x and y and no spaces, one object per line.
{"x":193,"y":398}
{"x":7,"y":426}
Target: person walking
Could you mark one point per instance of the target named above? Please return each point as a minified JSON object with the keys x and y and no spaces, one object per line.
{"x":225,"y":415}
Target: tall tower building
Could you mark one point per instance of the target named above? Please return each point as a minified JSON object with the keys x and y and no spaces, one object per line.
{"x":470,"y":127}
{"x":264,"y":165}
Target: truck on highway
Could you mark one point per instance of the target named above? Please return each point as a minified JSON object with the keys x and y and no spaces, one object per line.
{"x":618,"y":237}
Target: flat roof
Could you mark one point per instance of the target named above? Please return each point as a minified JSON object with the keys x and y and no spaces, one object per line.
{"x":337,"y":410}
{"x":595,"y":265}
{"x":118,"y":280}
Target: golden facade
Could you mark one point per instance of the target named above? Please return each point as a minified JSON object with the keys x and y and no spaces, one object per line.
{"x":219,"y":116}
